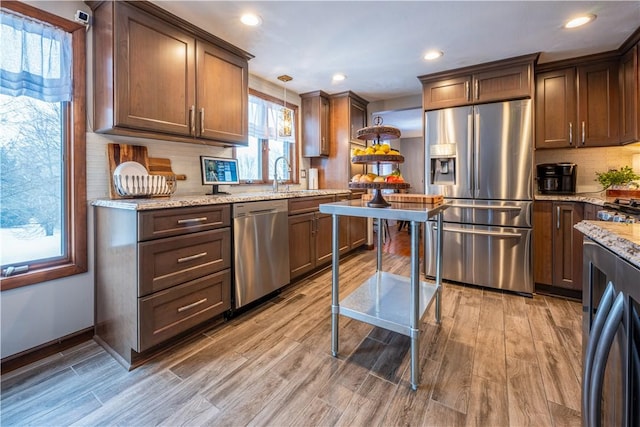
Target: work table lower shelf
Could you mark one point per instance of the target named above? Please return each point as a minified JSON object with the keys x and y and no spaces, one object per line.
{"x":384,"y":299}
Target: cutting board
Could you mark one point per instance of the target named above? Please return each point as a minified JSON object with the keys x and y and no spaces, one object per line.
{"x":408,"y":198}
{"x":120,"y":153}
{"x":160,"y":166}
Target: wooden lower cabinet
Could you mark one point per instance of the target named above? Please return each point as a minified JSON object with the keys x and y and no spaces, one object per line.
{"x":311,"y":232}
{"x":309,"y":242}
{"x":301,"y":244}
{"x":557,"y":246}
{"x":158,"y":274}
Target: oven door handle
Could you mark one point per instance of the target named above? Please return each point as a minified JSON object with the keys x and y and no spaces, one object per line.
{"x":594,"y":336}
{"x":502,"y":234}
{"x":601,"y":355}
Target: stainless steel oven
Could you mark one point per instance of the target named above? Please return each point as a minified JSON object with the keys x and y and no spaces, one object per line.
{"x":611,"y":339}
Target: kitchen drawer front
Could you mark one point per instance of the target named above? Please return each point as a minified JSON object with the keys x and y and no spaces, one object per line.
{"x":308,"y":204}
{"x":175,"y":260}
{"x":168,"y":313}
{"x":173,"y":222}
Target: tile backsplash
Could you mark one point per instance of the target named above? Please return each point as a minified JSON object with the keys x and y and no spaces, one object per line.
{"x":590,"y":161}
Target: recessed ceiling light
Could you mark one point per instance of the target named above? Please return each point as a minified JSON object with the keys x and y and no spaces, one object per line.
{"x":338,"y":77}
{"x":433,"y":54}
{"x":251,"y":19}
{"x":580,"y":21}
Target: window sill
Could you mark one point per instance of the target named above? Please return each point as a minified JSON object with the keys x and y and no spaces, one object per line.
{"x":42,"y":275}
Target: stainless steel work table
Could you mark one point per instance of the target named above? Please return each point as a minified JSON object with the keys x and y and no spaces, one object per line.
{"x":387,"y":300}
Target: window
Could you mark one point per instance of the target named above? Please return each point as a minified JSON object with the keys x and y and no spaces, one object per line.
{"x":256,"y":162}
{"x":42,"y":147}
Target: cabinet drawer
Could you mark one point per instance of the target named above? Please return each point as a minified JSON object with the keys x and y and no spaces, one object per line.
{"x":167,"y":313}
{"x":308,"y":204}
{"x":175,"y":260}
{"x":173,"y":222}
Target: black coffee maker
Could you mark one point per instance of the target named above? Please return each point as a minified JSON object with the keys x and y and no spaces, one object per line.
{"x":557,"y":178}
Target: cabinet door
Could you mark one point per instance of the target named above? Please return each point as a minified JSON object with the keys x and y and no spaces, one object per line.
{"x":502,"y":84}
{"x":567,"y":245}
{"x":222,"y":99}
{"x":302,"y":246}
{"x":598,"y":108}
{"x":358,"y":119}
{"x":629,"y":97}
{"x":357,"y":232}
{"x":323,"y":229}
{"x":542,"y":242}
{"x":446,"y":93}
{"x":155,"y":72}
{"x":315,"y":126}
{"x":556,"y":121}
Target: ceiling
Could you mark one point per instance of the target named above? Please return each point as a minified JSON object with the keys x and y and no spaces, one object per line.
{"x":379,"y":45}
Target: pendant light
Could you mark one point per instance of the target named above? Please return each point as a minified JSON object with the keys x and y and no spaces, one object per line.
{"x":285,"y":119}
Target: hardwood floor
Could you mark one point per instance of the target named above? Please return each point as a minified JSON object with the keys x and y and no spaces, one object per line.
{"x":497,"y":359}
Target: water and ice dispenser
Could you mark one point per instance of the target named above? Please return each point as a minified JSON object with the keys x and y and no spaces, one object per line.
{"x":443,"y":164}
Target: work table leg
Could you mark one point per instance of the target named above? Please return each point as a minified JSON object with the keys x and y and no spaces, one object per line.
{"x":335,"y":306}
{"x":415,"y":304}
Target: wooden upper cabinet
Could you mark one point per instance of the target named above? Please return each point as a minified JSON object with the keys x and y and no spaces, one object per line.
{"x":598,"y":104}
{"x":315,"y":124}
{"x":222,"y":98}
{"x":556,"y":108}
{"x":503,"y":83}
{"x":358,"y":117}
{"x":497,"y":81}
{"x":630,"y":96}
{"x":446,"y":93}
{"x":578,"y":106}
{"x":154,"y":73}
{"x":157,"y":76}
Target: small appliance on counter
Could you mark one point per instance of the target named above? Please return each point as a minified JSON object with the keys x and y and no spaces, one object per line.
{"x":556,"y":178}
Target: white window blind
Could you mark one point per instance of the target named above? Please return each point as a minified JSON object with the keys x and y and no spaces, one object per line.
{"x":35,"y":59}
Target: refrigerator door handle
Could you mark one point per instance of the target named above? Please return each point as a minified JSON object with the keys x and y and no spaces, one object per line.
{"x":476,"y":165}
{"x":503,"y":235}
{"x":487,"y":207}
{"x":470,"y":153}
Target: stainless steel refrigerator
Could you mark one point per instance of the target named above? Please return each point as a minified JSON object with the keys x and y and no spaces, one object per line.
{"x":480,"y":158}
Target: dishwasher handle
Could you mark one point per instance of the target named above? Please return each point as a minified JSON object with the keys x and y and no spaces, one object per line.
{"x":256,"y":213}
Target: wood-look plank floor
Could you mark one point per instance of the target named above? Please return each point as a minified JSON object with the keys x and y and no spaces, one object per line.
{"x":497,"y":359}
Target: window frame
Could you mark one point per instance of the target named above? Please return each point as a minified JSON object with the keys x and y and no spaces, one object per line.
{"x":74,"y":131}
{"x":293,"y":149}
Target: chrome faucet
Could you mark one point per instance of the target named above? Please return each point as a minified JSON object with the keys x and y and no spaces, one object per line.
{"x":275,"y":172}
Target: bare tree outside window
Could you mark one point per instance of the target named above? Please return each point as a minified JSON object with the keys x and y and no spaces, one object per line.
{"x":31,"y":180}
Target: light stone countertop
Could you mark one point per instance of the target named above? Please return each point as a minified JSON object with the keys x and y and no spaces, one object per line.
{"x":621,"y":239}
{"x":204,"y":200}
{"x":593,"y":198}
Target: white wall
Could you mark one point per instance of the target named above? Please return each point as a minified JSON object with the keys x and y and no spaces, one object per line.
{"x":40,"y":314}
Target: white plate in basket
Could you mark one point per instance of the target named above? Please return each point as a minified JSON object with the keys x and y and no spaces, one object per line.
{"x":130,"y":168}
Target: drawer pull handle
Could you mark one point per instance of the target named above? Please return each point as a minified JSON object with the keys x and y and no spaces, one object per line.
{"x":194,"y":304}
{"x":190,"y":220}
{"x":192,"y":257}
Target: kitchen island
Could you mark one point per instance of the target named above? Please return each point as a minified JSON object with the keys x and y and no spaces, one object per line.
{"x":387,"y":300}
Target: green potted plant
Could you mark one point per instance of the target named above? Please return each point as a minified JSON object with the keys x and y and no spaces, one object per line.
{"x":618,"y":180}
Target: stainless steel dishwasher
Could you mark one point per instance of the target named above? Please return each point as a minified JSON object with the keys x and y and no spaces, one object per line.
{"x":261,"y":249}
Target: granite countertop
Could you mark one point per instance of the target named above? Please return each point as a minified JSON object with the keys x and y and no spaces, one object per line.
{"x":203,"y":200}
{"x":620,"y":238}
{"x":593,"y":198}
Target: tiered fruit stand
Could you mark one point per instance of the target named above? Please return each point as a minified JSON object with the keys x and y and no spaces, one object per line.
{"x":378,"y":133}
